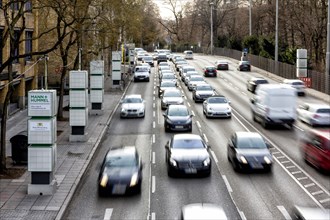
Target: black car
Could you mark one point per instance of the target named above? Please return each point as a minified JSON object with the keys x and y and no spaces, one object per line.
{"x":244,"y":66}
{"x":253,"y":82}
{"x":121,"y":172}
{"x":161,"y":58}
{"x":210,"y":71}
{"x":187,"y":154}
{"x":249,"y":151}
{"x":177,"y":118}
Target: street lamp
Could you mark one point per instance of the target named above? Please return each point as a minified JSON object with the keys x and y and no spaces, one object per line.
{"x":276,"y":37}
{"x":250,"y":18}
{"x":211,"y":3}
{"x":327,"y":58}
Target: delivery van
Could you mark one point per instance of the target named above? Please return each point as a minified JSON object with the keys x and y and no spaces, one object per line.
{"x":274,"y":104}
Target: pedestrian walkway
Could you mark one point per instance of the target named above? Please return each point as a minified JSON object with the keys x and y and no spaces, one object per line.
{"x":72,"y":161}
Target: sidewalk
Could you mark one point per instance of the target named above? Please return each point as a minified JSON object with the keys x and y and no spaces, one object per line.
{"x":72,"y":161}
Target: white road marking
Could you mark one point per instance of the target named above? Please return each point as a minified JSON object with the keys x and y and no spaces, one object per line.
{"x":284,"y":212}
{"x":280,"y":157}
{"x":153,"y":157}
{"x":154,"y":124}
{"x":289,"y":167}
{"x":242,"y":215}
{"x":198,"y":124}
{"x":243,"y":93}
{"x":214,"y":156}
{"x":153,"y":216}
{"x":302,"y":178}
{"x":153,"y":138}
{"x":277,"y":152}
{"x":205,"y":138}
{"x":324,"y":200}
{"x":193,"y":113}
{"x":154,"y":92}
{"x":317,"y":192}
{"x":188,"y":104}
{"x":154,"y":114}
{"x":227,"y":183}
{"x":153,"y":184}
{"x":309,"y":185}
{"x":154,"y":98}
{"x":286,"y":161}
{"x":153,"y":105}
{"x":107,"y":214}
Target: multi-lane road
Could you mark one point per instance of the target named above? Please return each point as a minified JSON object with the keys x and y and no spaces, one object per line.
{"x":243,"y":196}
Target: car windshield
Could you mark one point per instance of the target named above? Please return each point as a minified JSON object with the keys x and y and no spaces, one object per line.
{"x":323,"y":110}
{"x":261,"y":81}
{"x":196,"y":79}
{"x":177,"y":112}
{"x":188,"y":144}
{"x":168,"y":76}
{"x":172,"y":94}
{"x":132,"y":100}
{"x":121,"y":161}
{"x":204,"y":88}
{"x":297,"y":83}
{"x":141,"y":69}
{"x":217,"y":100}
{"x":148,"y":58}
{"x":210,"y":68}
{"x":245,"y":62}
{"x":250,"y":143}
{"x":167,"y":84}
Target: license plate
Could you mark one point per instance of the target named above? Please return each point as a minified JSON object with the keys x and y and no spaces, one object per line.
{"x":119,"y":189}
{"x":179,"y":127}
{"x":191,"y":170}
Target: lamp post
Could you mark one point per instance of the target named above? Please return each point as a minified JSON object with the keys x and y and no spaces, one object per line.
{"x":250,"y":18}
{"x":276,"y":37}
{"x":211,"y":3}
{"x":327,"y":58}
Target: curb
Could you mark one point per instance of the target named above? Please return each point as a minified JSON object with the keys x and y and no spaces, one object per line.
{"x":86,"y":164}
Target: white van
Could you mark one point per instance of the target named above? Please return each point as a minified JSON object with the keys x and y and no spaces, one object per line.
{"x":188,"y":54}
{"x":274,"y":104}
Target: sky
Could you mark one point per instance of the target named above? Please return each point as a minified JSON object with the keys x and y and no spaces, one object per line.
{"x":164,"y":10}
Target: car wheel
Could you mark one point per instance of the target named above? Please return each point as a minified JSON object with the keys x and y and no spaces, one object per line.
{"x":166,"y":128}
{"x":235,"y":166}
{"x":254,"y":117}
{"x":265,"y":124}
{"x":101,"y":192}
{"x":169,"y":172}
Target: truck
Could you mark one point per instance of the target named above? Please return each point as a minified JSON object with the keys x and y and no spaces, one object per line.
{"x":274,"y":104}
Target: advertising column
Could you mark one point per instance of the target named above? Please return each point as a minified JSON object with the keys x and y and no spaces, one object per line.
{"x":78,"y":95}
{"x":97,"y":86}
{"x":42,"y":129}
{"x":116,"y":69}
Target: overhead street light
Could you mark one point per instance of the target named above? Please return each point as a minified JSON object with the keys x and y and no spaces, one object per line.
{"x":211,"y":3}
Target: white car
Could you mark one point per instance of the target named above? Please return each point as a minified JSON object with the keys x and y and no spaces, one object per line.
{"x":188,"y":54}
{"x":171,"y":97}
{"x":298,"y":84}
{"x":132,"y":106}
{"x":141,"y":73}
{"x":217,"y":106}
{"x":314,"y":114}
{"x":193,"y":80}
{"x":202,"y":91}
{"x":203,"y":211}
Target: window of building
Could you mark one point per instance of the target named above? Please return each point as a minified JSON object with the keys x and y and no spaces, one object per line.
{"x":28,"y":44}
{"x":16,"y":52}
{"x":28,"y":6}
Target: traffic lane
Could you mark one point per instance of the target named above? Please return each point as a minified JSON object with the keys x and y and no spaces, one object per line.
{"x":86,"y":204}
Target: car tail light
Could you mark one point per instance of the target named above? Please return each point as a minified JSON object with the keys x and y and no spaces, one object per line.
{"x":316,"y":116}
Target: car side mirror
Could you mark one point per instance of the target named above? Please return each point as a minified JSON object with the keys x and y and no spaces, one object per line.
{"x":229,"y":102}
{"x":164,"y":114}
{"x":252,"y":100}
{"x":268,"y":145}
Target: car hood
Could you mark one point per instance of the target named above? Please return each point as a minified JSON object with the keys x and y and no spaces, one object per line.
{"x":253,"y":152}
{"x":120,"y":172}
{"x":178,"y":118}
{"x":172,"y":99}
{"x":205,"y":92}
{"x":190,"y":154}
{"x":218,"y":107}
{"x":141,"y":73}
{"x":132,"y":105}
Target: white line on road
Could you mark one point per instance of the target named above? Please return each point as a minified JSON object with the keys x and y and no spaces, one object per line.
{"x":242,"y":215}
{"x":309,"y":185}
{"x":324,"y":200}
{"x":193,"y":113}
{"x":154,"y":124}
{"x":317,"y":192}
{"x":154,"y":92}
{"x":302,"y":178}
{"x":188,"y":104}
{"x":153,"y":157}
{"x":214,"y":156}
{"x":243,"y":93}
{"x":154,"y":98}
{"x":287,"y":161}
{"x":227,"y":183}
{"x":153,"y":105}
{"x":153,"y":184}
{"x":153,"y":216}
{"x":107,"y":214}
{"x":205,"y":138}
{"x":284,"y":212}
{"x":198,"y":124}
{"x":154,"y":114}
{"x":153,"y":138}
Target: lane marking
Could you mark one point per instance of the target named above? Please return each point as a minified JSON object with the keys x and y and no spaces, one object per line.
{"x":309,"y":185}
{"x":277,"y":152}
{"x":193,"y":113}
{"x":280,"y":157}
{"x":198,"y":124}
{"x":302,"y":178}
{"x":153,"y":138}
{"x":153,"y":184}
{"x":188,"y":104}
{"x":286,"y":161}
{"x":214,"y":156}
{"x":227,"y":183}
{"x":153,"y":157}
{"x":153,"y":216}
{"x":107,"y":214}
{"x":289,"y":167}
{"x":241,"y":213}
{"x":154,"y":124}
{"x":154,"y":98}
{"x":154,"y":114}
{"x":324,"y":200}
{"x":153,"y":105}
{"x":317,"y":192}
{"x":154,"y":92}
{"x":205,"y":138}
{"x":284,"y":212}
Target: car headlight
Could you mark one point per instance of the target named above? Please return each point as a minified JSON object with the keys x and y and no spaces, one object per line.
{"x":197,"y":95}
{"x":173,"y":162}
{"x":168,"y":120}
{"x":242,"y":159}
{"x":104,"y":180}
{"x":267,"y":160}
{"x":180,"y":102}
{"x":206,"y":162}
{"x":141,"y":109}
{"x":134,"y":180}
{"x":188,"y":120}
{"x":123,"y":110}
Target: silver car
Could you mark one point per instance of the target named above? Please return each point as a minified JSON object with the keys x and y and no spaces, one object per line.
{"x":297,"y":84}
{"x":193,"y":80}
{"x":171,"y":96}
{"x":202,"y":211}
{"x":217,"y":106}
{"x":132,"y":106}
{"x":314,"y":114}
{"x":201,"y":92}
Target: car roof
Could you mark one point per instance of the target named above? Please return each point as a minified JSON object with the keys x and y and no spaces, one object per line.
{"x":317,"y":105}
{"x":292,"y":80}
{"x":186,"y":136}
{"x":242,"y":134}
{"x":177,"y":106}
{"x":203,"y":211}
{"x":133,"y":96}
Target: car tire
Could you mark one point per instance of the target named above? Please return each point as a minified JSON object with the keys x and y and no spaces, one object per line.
{"x":264,"y":124}
{"x":254,"y":117}
{"x":169,"y":172}
{"x":235,"y":166}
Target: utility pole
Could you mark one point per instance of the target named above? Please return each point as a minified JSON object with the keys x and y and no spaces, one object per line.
{"x":46,"y":71}
{"x":276,"y":38}
{"x":250,"y":18}
{"x":211,"y":3}
{"x":327,"y":58}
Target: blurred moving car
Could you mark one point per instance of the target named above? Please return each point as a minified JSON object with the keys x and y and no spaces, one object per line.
{"x":316,"y":149}
{"x":314,"y":114}
{"x":165,"y":85}
{"x":171,"y":97}
{"x":311,"y":213}
{"x":198,"y":211}
{"x":249,"y":151}
{"x":253,"y":82}
{"x":217,"y":107}
{"x":187,"y":154}
{"x":121,"y":172}
{"x":149,"y":60}
{"x":188,"y":54}
{"x":222,"y":65}
{"x":162,"y":57}
{"x":132,"y":106}
{"x":177,"y":118}
{"x":141,"y":73}
{"x":244,"y":66}
{"x":202,"y":92}
{"x":298,"y":84}
{"x":210,"y":71}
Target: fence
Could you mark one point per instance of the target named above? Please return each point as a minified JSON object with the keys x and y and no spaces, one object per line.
{"x":284,"y":70}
